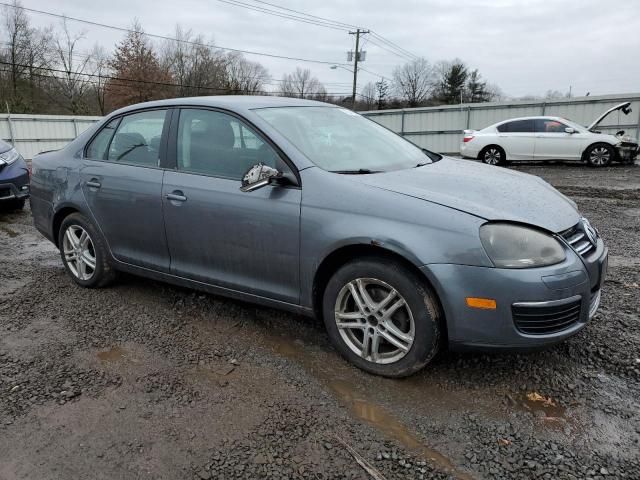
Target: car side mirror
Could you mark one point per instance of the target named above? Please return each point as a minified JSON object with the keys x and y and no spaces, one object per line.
{"x":259,"y":176}
{"x":570,"y":130}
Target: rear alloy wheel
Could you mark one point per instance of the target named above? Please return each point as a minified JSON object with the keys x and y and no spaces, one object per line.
{"x":381,"y":317}
{"x":84,"y":253}
{"x":600,"y":155}
{"x":493,"y":155}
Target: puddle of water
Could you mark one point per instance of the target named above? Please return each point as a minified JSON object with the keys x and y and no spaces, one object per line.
{"x":362,"y":408}
{"x":114,"y":354}
{"x":378,"y":417}
{"x":550,"y":408}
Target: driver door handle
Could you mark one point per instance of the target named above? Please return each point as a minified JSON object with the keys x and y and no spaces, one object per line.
{"x":94,"y":183}
{"x":176,"y":196}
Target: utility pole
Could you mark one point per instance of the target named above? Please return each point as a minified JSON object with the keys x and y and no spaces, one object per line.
{"x":356,"y":57}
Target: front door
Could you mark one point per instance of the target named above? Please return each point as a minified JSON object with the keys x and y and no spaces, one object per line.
{"x":122,"y":184}
{"x":217,"y":234}
{"x":554,"y":143}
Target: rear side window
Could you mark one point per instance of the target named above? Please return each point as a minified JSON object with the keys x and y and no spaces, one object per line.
{"x":97,"y":149}
{"x":137,"y":139}
{"x":516,"y":126}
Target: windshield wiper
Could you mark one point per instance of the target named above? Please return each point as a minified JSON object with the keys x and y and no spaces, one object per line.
{"x":360,"y":171}
{"x":422,"y":164}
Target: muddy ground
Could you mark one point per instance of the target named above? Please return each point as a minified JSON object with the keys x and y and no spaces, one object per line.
{"x":144,"y":380}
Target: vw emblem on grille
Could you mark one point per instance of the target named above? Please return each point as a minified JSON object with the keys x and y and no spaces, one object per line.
{"x":591,"y":232}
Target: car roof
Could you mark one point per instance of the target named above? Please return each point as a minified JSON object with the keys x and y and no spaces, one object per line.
{"x":229,"y":102}
{"x":542,"y":117}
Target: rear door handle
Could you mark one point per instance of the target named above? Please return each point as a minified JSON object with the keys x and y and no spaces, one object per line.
{"x":176,"y":196}
{"x":94,"y":183}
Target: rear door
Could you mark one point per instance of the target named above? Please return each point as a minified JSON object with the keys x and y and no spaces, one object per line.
{"x":122,"y":182}
{"x":517,"y":138}
{"x":246,"y":241}
{"x":553,"y":143}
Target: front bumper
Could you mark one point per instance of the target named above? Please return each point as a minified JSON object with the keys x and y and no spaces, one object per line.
{"x":14,"y":181}
{"x":628,"y":151}
{"x":571,"y":286}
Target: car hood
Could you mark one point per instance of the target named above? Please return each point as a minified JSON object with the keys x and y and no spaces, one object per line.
{"x":493,"y":193}
{"x":625,"y":107}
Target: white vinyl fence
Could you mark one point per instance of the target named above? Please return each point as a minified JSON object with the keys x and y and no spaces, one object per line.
{"x":440,"y":128}
{"x":32,"y":134}
{"x":436,"y":128}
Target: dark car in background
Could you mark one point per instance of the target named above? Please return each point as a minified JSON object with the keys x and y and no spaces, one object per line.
{"x":14,"y":178}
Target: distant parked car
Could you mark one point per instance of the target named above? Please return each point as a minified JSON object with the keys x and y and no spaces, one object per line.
{"x":549,"y":138}
{"x":312,"y":208}
{"x":14,"y":178}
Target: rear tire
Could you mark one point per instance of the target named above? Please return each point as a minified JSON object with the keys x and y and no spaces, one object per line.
{"x":84,"y":252}
{"x":599,"y":155}
{"x":493,"y":155}
{"x":403,"y":334}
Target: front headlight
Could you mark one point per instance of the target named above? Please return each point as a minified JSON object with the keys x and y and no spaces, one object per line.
{"x":515,"y":246}
{"x":8,"y":157}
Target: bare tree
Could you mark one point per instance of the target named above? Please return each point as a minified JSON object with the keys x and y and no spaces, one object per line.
{"x":26,"y":51}
{"x":101,"y":76}
{"x":368,"y":95}
{"x":300,"y":84}
{"x":243,"y":76}
{"x":414,"y":81}
{"x":71,"y":86}
{"x":193,"y":65}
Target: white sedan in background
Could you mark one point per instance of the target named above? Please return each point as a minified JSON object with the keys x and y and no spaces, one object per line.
{"x":549,"y":138}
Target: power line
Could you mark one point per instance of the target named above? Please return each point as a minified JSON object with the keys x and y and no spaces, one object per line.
{"x":163,"y":37}
{"x":393,"y":48}
{"x":283,"y":15}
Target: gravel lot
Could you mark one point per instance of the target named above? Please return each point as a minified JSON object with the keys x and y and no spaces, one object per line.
{"x":144,"y":380}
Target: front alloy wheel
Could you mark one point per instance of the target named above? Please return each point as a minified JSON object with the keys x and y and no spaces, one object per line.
{"x":374,"y":320}
{"x":600,"y":155}
{"x":382,"y":316}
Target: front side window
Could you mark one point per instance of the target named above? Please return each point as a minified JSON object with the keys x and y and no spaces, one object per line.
{"x":546,"y":125}
{"x":517,"y":126}
{"x":339,"y":140}
{"x":137,"y":139}
{"x":217,"y":144}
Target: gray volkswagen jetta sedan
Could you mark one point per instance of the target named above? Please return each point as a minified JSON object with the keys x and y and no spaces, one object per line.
{"x":312,"y":208}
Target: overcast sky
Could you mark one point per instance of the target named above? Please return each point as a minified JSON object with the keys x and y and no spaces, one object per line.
{"x":525,"y":47}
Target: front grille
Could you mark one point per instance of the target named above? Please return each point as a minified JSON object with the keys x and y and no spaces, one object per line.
{"x":577,"y":238}
{"x":540,"y":319}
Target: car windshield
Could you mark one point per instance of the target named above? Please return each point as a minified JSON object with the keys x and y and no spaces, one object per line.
{"x":342,"y":141}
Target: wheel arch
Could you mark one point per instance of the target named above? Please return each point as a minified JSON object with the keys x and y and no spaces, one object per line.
{"x":596,"y":143}
{"x":58,"y":218}
{"x":343,"y":254}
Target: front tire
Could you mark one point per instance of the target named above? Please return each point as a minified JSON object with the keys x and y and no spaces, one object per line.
{"x":600,"y":155}
{"x":382,"y":317}
{"x":84,"y":253}
{"x":493,"y":155}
